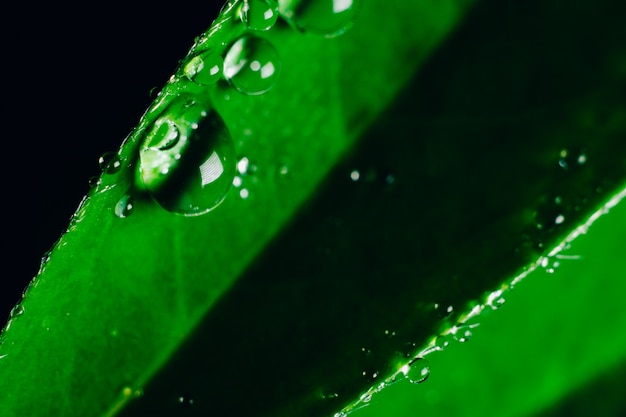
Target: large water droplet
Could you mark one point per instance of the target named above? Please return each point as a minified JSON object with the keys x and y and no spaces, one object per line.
{"x":419,"y":371}
{"x":258,"y":14}
{"x":252,"y":65}
{"x":327,"y":18}
{"x":204,"y":68}
{"x":192,"y":175}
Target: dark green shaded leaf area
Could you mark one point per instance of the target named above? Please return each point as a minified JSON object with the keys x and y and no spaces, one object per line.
{"x":434,"y":151}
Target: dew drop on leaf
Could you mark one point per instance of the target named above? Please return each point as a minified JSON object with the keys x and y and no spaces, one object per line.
{"x":124,"y":206}
{"x":110,"y":162}
{"x":252,"y":65}
{"x":442,"y":342}
{"x":419,"y":371}
{"x":191,"y":176}
{"x":328,"y":18}
{"x":258,"y":14}
{"x":16,"y":311}
{"x":205,"y":68}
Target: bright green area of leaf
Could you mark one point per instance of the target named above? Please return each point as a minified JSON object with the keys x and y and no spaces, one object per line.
{"x":555,"y":334}
{"x":117,"y":296}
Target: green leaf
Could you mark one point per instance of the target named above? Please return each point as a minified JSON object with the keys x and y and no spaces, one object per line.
{"x":369,"y":214}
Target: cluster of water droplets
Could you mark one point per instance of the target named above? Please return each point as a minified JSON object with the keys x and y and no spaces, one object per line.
{"x":186,"y":159}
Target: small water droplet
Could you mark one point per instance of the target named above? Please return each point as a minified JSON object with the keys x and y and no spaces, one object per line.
{"x":244,"y":193}
{"x":559,"y":219}
{"x":328,"y":18}
{"x":442,"y":342}
{"x":251,"y":65}
{"x":191,"y":176}
{"x":94,"y":182}
{"x":204,"y":68}
{"x":419,"y":371}
{"x":355,"y":175}
{"x":124,"y":206}
{"x":16,"y":311}
{"x":110,"y":162}
{"x":258,"y":14}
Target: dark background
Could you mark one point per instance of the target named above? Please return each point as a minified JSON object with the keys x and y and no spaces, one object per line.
{"x":76,"y":78}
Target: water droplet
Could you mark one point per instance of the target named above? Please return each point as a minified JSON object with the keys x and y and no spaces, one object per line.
{"x":355,"y":175}
{"x":16,"y":311}
{"x":252,"y":65}
{"x":559,"y":219}
{"x":442,"y":342}
{"x":258,"y":14}
{"x":327,"y":18}
{"x":204,"y":68}
{"x":94,"y":182}
{"x":244,"y":193}
{"x":110,"y":162}
{"x":191,"y":176}
{"x":124,"y":206}
{"x":419,"y":371}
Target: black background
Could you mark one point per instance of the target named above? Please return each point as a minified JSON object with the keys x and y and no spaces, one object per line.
{"x":76,"y":78}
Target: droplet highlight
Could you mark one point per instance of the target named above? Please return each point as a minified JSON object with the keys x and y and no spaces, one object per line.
{"x":258,"y":15}
{"x":328,"y":18}
{"x":192,"y":174}
{"x":252,"y":65}
{"x":205,"y":68}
